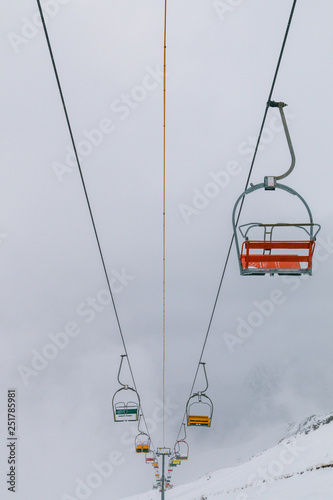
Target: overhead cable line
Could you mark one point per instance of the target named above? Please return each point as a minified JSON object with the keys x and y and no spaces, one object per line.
{"x":242,"y":202}
{"x":85,"y":190}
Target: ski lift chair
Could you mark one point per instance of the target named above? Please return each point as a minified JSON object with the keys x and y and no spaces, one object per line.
{"x":126,"y":410}
{"x":201,"y":401}
{"x":142,"y":443}
{"x":268,"y":255}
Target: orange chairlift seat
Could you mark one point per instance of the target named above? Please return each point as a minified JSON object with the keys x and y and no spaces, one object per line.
{"x":275,"y":256}
{"x":270,"y":255}
{"x":267,"y":260}
{"x":125,"y":410}
{"x":200,"y":401}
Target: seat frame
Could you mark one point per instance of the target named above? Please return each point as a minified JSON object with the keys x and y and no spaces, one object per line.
{"x":267,"y":262}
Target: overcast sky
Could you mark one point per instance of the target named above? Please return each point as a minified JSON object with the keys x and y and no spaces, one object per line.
{"x":60,"y":346}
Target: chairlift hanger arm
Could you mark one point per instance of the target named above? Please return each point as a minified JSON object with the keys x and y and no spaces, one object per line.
{"x":183,"y":439}
{"x":139,"y":420}
{"x":204,"y":368}
{"x":141,"y":432}
{"x":121,"y":362}
{"x":125,"y":386}
{"x":281,"y":105}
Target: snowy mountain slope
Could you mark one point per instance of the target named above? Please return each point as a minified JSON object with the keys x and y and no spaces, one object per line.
{"x":300,"y":467}
{"x":309,"y":424}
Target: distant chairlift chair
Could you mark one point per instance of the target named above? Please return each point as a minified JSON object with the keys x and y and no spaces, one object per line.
{"x":202,"y":401}
{"x":125,"y":410}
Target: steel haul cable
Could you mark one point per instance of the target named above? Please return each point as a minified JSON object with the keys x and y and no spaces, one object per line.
{"x":86,"y":194}
{"x":242,"y":202}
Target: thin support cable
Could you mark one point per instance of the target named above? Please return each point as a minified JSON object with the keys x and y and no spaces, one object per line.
{"x":85,"y":189}
{"x":242,"y":202}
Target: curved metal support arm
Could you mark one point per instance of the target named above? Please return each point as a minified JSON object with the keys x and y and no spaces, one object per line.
{"x":139,"y":421}
{"x":121,"y":362}
{"x":182,"y":439}
{"x":281,"y":105}
{"x":204,"y":367}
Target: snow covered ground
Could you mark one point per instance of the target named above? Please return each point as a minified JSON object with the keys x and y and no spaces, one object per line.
{"x":300,"y":467}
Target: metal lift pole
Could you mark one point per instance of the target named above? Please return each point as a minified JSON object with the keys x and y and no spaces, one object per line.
{"x":162,"y":493}
{"x":163,"y":452}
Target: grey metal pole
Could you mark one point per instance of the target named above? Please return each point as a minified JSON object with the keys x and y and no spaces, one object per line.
{"x":163,"y":457}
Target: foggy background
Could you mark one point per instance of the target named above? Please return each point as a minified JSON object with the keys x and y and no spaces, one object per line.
{"x":220,"y":65}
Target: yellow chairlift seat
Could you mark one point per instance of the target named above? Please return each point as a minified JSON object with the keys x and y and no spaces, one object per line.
{"x":198,"y":420}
